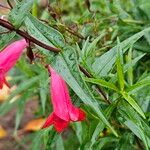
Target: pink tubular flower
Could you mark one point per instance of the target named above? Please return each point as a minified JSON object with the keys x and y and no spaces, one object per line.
{"x":64,"y":110}
{"x":8,"y":58}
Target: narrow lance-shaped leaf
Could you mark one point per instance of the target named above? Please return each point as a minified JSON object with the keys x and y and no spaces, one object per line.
{"x":130,"y":69}
{"x":35,"y":8}
{"x":119,"y":63}
{"x":127,"y":66}
{"x":23,"y":86}
{"x":105,"y":141}
{"x":139,"y":85}
{"x":21,"y":105}
{"x":133,"y":122}
{"x":100,"y":127}
{"x":32,"y":30}
{"x":132,"y":63}
{"x":102,"y":83}
{"x":59,"y":144}
{"x":89,"y":48}
{"x":19,"y":12}
{"x":6,"y":37}
{"x":44,"y":33}
{"x":132,"y":102}
{"x":43,"y":83}
{"x":138,"y":132}
{"x":54,"y":36}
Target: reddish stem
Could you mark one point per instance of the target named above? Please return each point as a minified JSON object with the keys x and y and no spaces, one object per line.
{"x":9,"y":26}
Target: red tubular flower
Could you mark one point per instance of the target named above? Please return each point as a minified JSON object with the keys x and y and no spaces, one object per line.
{"x":8,"y":58}
{"x":64,"y":110}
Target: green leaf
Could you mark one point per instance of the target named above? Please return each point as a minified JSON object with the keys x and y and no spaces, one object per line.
{"x":102,"y":83}
{"x":119,"y":63}
{"x":130,"y":70}
{"x":44,"y":83}
{"x":51,"y":34}
{"x":132,"y":102}
{"x":100,"y":127}
{"x":19,"y":12}
{"x":5,"y":38}
{"x":138,"y":132}
{"x":145,"y":7}
{"x":7,"y":106}
{"x":20,"y":109}
{"x":106,"y":141}
{"x":126,"y":141}
{"x":24,"y":86}
{"x":127,"y":66}
{"x":38,"y":138}
{"x":79,"y":131}
{"x":25,"y":68}
{"x":35,"y":8}
{"x":85,"y":45}
{"x":51,"y":139}
{"x":59,"y":144}
{"x":65,"y":64}
{"x":103,"y":65}
{"x":135,"y":123}
{"x":139,"y":85}
{"x":132,"y":63}
{"x":32,"y":30}
{"x":131,"y":113}
{"x":142,"y":46}
{"x":36,"y":29}
{"x":89,"y":47}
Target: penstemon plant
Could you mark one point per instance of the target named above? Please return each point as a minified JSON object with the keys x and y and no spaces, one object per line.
{"x":93,"y":55}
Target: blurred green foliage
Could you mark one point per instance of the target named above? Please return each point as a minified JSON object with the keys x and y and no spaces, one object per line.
{"x":111,"y":40}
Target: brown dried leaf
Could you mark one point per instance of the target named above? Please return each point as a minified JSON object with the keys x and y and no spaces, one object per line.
{"x":3,"y":132}
{"x":34,"y":125}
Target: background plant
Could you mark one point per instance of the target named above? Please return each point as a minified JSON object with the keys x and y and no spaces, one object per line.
{"x":104,"y":58}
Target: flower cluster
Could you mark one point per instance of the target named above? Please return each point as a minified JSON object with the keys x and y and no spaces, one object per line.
{"x":64,"y":110}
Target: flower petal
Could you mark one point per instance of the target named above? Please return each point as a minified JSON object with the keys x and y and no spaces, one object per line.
{"x":3,"y":79}
{"x":49,"y":121}
{"x":58,"y":96}
{"x":60,"y":124}
{"x":82,"y":115}
{"x":73,"y":111}
{"x":11,"y":54}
